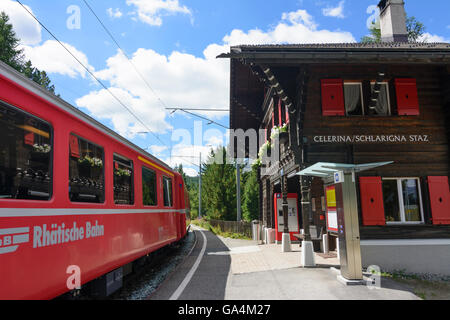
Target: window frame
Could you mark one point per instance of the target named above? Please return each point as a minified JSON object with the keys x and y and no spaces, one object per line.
{"x":51,"y":166}
{"x":133,"y":182}
{"x":402,"y":203}
{"x":353,"y":83}
{"x":103,"y":169}
{"x":156,"y":187}
{"x":163,"y":177}
{"x":373,"y":82}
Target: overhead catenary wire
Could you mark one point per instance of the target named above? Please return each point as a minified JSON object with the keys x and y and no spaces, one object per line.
{"x":124,"y":53}
{"x":200,"y":109}
{"x":90,"y":72}
{"x":196,"y":115}
{"x":103,"y":85}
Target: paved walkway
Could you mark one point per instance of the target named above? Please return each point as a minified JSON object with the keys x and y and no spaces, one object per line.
{"x":248,"y":256}
{"x":228,"y":269}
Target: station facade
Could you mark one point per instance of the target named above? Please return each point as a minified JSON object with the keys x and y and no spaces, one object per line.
{"x":353,"y":104}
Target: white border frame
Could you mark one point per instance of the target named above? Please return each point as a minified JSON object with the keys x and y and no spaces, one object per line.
{"x":401,"y":202}
{"x":388,"y":97}
{"x":361,"y":95}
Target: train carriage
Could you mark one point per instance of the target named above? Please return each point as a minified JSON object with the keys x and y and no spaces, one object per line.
{"x":76,"y":199}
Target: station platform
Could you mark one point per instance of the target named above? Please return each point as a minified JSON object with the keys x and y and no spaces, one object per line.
{"x":248,"y":256}
{"x":229,"y":269}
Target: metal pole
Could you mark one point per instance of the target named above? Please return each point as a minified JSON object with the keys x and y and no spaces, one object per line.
{"x":200,"y":188}
{"x":285,"y":204}
{"x":238,"y":191}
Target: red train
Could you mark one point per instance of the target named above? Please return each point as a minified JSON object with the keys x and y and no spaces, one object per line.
{"x":77,"y":201}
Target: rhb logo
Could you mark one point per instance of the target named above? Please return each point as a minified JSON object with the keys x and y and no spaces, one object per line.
{"x":11,"y":238}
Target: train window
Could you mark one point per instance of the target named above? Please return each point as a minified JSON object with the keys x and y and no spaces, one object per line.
{"x":167,"y":187}
{"x":149,"y":187}
{"x":86,"y":171}
{"x":123,"y":180}
{"x":25,"y":156}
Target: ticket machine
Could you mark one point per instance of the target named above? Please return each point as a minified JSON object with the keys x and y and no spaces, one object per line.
{"x":293,"y":224}
{"x":342,"y":217}
{"x":342,"y":211}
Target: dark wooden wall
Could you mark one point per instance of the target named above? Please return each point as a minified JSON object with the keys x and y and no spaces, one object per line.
{"x":410,"y":159}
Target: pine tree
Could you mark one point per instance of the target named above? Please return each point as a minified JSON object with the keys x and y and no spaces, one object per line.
{"x":14,"y":57}
{"x":9,"y":43}
{"x":219,"y":187}
{"x":250,"y":197}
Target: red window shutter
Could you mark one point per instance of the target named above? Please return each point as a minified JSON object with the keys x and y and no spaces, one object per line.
{"x":333,"y":97}
{"x":287,"y":114}
{"x":74,"y":147}
{"x":407,"y":99}
{"x":372,"y":203}
{"x":29,"y":138}
{"x":440,"y":199}
{"x":280,"y":113}
{"x":273,"y":117}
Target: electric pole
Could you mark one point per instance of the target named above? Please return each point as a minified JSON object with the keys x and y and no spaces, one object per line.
{"x":200,"y":188}
{"x":238,"y":191}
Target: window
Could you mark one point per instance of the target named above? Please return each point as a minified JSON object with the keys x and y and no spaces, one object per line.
{"x":25,"y":156}
{"x":167,"y":187}
{"x":383,"y":106}
{"x":123,"y":180}
{"x":86,"y":172}
{"x":149,"y":195}
{"x":353,"y":99}
{"x":402,"y":200}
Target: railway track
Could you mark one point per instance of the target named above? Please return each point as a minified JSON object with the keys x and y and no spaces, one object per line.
{"x":146,"y":275}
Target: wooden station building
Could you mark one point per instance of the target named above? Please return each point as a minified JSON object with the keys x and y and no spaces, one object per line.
{"x":358,"y":103}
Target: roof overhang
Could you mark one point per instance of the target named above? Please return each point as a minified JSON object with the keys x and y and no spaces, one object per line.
{"x":327,"y":170}
{"x":350,"y":53}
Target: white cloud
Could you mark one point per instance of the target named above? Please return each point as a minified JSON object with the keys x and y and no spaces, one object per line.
{"x":152,"y":11}
{"x":102,"y":105}
{"x":157,"y":150}
{"x":182,"y":79}
{"x":115,"y":14}
{"x":187,"y":155}
{"x":179,"y":79}
{"x":337,"y":12}
{"x":295,"y":27}
{"x":53,"y":58}
{"x":27,"y":29}
{"x":428,"y":37}
{"x":190,"y":172}
{"x":49,"y":56}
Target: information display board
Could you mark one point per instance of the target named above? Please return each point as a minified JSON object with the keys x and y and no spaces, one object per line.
{"x":332,"y":221}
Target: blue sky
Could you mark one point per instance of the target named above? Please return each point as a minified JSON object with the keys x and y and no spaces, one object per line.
{"x":174,"y":44}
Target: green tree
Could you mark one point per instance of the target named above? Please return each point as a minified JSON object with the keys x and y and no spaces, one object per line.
{"x":13,"y":56}
{"x":219,"y":187}
{"x":40,"y":77}
{"x":414,"y":28}
{"x":250,"y":197}
{"x":180,"y":170}
{"x":9,"y":43}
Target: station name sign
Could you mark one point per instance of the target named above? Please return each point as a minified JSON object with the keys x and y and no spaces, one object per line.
{"x":413,"y":138}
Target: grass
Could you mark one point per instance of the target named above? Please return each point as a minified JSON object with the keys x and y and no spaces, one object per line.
{"x":426,"y":289}
{"x":217,"y":230}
